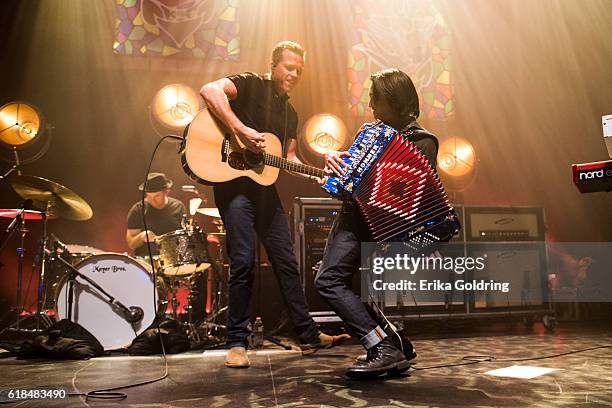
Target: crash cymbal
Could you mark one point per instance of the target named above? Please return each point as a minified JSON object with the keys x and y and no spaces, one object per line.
{"x":62,"y":202}
{"x":211,"y":212}
{"x":27,"y":214}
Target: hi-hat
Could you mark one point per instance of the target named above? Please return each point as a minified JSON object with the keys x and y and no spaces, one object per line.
{"x":211,"y":212}
{"x":27,"y":214}
{"x":52,"y":197}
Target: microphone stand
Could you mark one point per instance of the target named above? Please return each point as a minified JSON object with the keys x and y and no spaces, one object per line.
{"x":73,"y":274}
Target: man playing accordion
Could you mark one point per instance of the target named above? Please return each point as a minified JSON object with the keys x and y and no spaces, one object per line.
{"x":394,"y":101}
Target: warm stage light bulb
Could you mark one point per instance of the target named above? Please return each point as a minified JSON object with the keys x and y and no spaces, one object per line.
{"x":324,"y":132}
{"x":456,"y":157}
{"x":175,"y":106}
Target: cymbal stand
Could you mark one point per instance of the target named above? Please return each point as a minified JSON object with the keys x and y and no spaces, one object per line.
{"x":18,"y":223}
{"x":40,"y":316}
{"x":192,"y":330}
{"x":210,"y":325}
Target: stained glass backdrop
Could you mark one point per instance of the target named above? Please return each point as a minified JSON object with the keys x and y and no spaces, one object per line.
{"x":196,"y":28}
{"x":411,"y":35}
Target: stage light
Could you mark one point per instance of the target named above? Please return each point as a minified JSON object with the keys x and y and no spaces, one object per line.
{"x":174,"y":106}
{"x":24,"y":135}
{"x":457,"y":164}
{"x":324,"y":132}
{"x":19,"y":123}
{"x":456,"y":157}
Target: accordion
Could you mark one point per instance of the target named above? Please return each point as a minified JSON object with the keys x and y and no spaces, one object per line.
{"x":396,"y":189}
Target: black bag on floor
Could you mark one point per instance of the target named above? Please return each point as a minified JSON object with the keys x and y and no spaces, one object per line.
{"x":148,"y":342}
{"x":62,"y":340}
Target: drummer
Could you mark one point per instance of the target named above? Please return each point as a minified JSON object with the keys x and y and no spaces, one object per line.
{"x":163,"y":214}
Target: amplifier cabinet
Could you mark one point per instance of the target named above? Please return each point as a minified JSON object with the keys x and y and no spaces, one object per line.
{"x":510,"y":224}
{"x":312,"y":221}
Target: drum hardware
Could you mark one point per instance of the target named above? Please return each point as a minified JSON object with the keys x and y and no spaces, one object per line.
{"x":215,"y":306}
{"x":19,"y":224}
{"x":187,"y":319}
{"x":52,"y":200}
{"x":72,"y":253}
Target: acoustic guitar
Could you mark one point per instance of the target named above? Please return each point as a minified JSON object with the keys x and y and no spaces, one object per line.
{"x":212,"y":154}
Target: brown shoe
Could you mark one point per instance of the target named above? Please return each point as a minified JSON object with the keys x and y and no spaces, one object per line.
{"x":325,"y":341}
{"x":237,"y":358}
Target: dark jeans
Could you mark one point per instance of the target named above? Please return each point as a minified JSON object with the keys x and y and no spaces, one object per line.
{"x":246,"y":207}
{"x":342,"y":259}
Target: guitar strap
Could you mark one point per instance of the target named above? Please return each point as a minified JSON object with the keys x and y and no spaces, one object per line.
{"x":285,"y":132}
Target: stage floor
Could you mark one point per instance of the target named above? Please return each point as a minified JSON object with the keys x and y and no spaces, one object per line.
{"x":286,"y":378}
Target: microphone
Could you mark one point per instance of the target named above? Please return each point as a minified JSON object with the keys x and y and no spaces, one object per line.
{"x":131,"y":314}
{"x":134,"y":314}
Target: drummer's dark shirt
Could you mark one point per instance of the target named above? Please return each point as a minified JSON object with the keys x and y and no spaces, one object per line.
{"x":159,"y":221}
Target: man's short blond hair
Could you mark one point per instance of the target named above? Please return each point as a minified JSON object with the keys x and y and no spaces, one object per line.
{"x":277,"y":52}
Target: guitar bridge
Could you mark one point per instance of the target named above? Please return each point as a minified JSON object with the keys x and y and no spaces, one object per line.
{"x":225,"y":147}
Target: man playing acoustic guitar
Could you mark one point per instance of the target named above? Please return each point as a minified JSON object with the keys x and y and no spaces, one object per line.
{"x":249,"y":105}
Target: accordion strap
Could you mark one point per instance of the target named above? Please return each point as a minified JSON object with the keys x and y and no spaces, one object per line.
{"x":416,"y":133}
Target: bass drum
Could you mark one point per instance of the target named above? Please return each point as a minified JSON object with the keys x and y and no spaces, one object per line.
{"x":128,"y":280}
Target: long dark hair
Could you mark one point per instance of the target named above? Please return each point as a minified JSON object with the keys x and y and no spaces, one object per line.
{"x":397,"y":89}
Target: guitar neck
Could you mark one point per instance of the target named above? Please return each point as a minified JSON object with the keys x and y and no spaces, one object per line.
{"x":282,"y":163}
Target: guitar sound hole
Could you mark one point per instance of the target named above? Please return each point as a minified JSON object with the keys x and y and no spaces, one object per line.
{"x":236,"y":161}
{"x":253,"y":159}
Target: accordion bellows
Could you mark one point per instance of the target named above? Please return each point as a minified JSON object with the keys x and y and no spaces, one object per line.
{"x":396,"y":189}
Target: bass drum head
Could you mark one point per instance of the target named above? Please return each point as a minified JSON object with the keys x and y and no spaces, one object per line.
{"x":123,"y":278}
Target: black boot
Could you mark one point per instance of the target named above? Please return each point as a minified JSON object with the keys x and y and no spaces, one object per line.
{"x":381,"y":358}
{"x":402,"y":342}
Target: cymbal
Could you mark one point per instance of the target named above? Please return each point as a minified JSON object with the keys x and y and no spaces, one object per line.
{"x":211,"y":212}
{"x":219,"y":234}
{"x":27,"y":214}
{"x":62,"y":201}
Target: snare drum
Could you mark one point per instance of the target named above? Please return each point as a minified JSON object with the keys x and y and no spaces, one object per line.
{"x":128,"y":281}
{"x":183,"y":252}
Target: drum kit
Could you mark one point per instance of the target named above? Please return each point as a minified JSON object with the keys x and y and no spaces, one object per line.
{"x":115,"y":296}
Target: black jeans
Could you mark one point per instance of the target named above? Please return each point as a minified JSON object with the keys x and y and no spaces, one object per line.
{"x":246,"y":207}
{"x":342,"y":258}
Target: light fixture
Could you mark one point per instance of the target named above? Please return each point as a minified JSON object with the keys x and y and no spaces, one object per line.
{"x":174,"y":106}
{"x":456,"y":157}
{"x":19,"y":123}
{"x":323,"y":133}
{"x":457,"y":163}
{"x":21,"y":130}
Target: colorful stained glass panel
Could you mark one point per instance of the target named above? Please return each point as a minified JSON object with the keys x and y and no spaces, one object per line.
{"x":196,"y":28}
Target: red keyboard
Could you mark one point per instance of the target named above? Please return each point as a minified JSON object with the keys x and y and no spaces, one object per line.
{"x":593,"y":177}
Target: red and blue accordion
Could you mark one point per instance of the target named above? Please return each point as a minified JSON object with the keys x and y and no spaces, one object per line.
{"x":396,"y":189}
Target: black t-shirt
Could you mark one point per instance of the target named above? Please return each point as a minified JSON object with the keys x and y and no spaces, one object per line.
{"x":159,"y":221}
{"x":260,"y":107}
